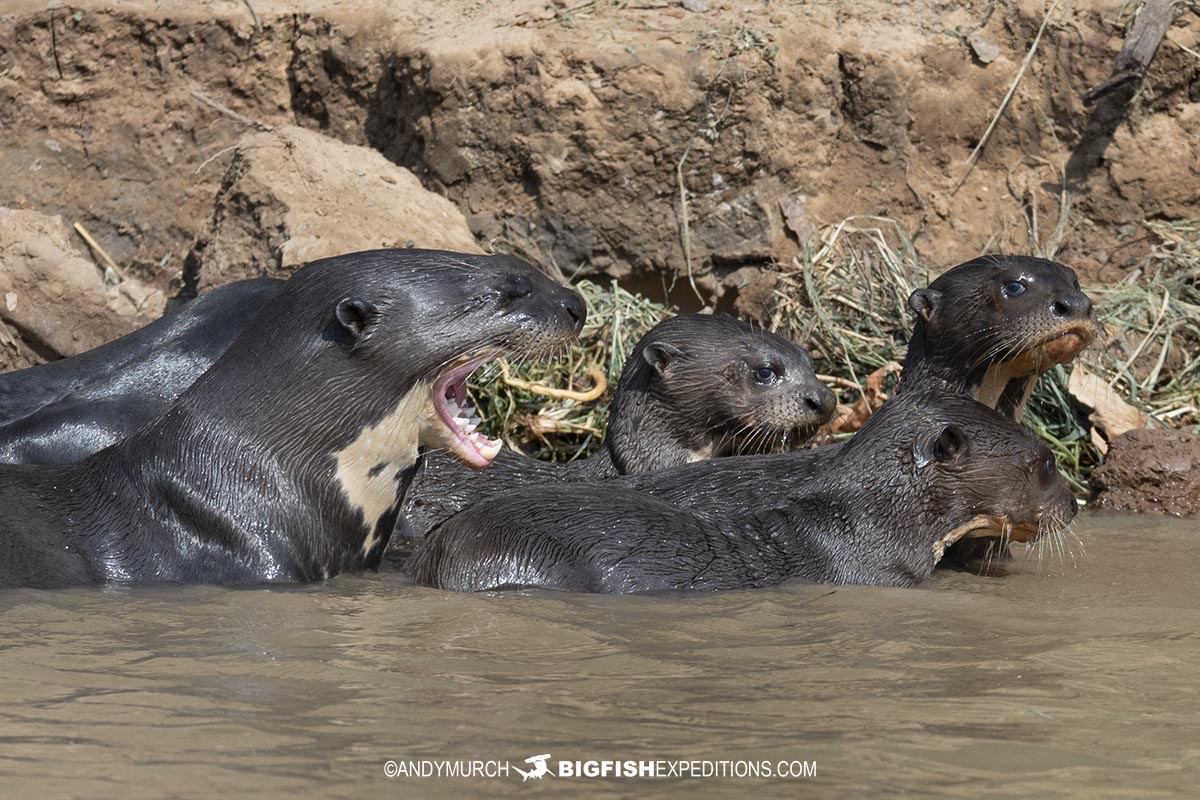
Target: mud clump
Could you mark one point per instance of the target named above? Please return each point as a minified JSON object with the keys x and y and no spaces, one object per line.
{"x":1151,"y":470}
{"x":292,"y":195}
{"x":53,"y":301}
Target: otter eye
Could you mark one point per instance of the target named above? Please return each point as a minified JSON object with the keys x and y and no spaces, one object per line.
{"x":517,"y":287}
{"x":1049,"y":466}
{"x":1013,"y":288}
{"x":766,"y":375}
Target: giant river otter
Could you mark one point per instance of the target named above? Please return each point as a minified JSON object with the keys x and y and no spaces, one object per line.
{"x":287,"y":460}
{"x":66,"y":410}
{"x":986,"y":328}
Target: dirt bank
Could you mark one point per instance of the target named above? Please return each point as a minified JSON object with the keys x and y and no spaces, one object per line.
{"x":1151,"y":470}
{"x":567,"y":129}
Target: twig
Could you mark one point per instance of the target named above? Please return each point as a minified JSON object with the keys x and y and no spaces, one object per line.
{"x":1162,"y":311}
{"x":596,"y":374}
{"x":683,"y":199}
{"x":842,"y":382}
{"x":1112,"y":100}
{"x":257,"y":25}
{"x":983,"y":140}
{"x":229,"y":112}
{"x":104,"y":256}
{"x":683,"y":214}
{"x":54,"y":48}
{"x":214,"y":157}
{"x":1183,"y":47}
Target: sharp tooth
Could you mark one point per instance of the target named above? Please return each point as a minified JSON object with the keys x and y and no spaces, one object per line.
{"x":475,"y":420}
{"x":452,"y":406}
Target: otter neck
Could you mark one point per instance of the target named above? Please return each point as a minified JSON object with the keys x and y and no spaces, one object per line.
{"x":846,"y":547}
{"x":640,"y":435}
{"x":927,"y":368}
{"x":994,"y":383}
{"x":347,"y":455}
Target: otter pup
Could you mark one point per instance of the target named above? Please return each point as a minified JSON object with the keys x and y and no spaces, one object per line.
{"x":288,"y":459}
{"x":926,"y":470}
{"x":985,"y":328}
{"x":701,"y":386}
{"x":64,"y":411}
{"x":695,"y":387}
{"x":991,"y":326}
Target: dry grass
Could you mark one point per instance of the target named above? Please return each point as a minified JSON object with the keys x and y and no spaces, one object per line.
{"x":564,"y":429}
{"x":845,"y":298}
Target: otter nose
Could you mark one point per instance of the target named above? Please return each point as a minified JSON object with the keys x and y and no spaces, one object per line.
{"x":576,"y":309}
{"x":1072,"y":305}
{"x":820,"y":401}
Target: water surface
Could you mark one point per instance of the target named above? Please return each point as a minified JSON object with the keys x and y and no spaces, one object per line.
{"x":1071,"y":678}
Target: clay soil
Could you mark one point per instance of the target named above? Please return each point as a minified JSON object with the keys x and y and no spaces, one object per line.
{"x":566,"y":129}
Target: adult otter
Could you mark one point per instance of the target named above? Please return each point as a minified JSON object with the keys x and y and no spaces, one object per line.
{"x":925,"y":470}
{"x":991,"y":326}
{"x":64,"y":411}
{"x":287,"y":460}
{"x":695,"y":387}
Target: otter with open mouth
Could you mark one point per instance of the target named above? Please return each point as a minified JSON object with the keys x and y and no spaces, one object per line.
{"x":288,"y":459}
{"x":926,"y":470}
{"x":695,"y":387}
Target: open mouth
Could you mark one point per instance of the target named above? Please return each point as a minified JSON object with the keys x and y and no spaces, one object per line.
{"x":461,"y":420}
{"x":985,"y":526}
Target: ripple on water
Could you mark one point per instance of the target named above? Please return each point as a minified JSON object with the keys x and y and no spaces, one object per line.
{"x":1068,"y":677}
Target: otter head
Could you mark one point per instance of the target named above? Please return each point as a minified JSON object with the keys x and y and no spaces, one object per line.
{"x":948,"y":467}
{"x":418,"y":323}
{"x":992,"y":325}
{"x":712,"y":385}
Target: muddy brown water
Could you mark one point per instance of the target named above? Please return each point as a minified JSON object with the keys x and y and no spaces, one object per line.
{"x":1079,"y":678}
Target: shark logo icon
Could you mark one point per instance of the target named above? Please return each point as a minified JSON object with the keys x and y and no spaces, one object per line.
{"x":539,"y":768}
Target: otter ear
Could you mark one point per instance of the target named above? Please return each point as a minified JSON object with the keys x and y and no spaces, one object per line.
{"x":925,"y":302}
{"x":660,"y":354}
{"x":355,"y":315}
{"x":947,"y":447}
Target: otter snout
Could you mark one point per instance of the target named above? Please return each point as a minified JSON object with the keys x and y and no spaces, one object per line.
{"x":574,"y":307}
{"x":1073,"y":305}
{"x":820,"y":400}
{"x":555,"y":306}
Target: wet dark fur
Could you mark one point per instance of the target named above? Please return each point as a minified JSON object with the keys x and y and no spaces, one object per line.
{"x":966,"y":326}
{"x":690,"y":392}
{"x":871,"y":513}
{"x":66,"y":410}
{"x":687,"y":392}
{"x":237,"y":481}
